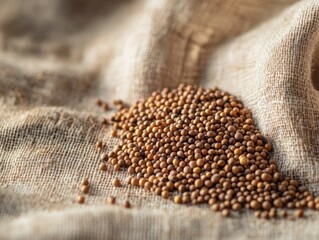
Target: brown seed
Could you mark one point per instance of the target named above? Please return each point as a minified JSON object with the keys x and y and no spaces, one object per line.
{"x":134,"y":181}
{"x":236,"y":207}
{"x":85,"y":188}
{"x":272,"y":213}
{"x":257,"y":214}
{"x":198,"y":183}
{"x":266,"y":205}
{"x":99,"y":144}
{"x":283,"y":213}
{"x":103,"y":167}
{"x":81,"y":199}
{"x":165,"y":194}
{"x":264,"y":214}
{"x":111,"y":200}
{"x":114,"y":133}
{"x":116,"y":182}
{"x":178,"y":199}
{"x":104,"y":157}
{"x":278,"y":203}
{"x":238,"y":152}
{"x":98,"y":102}
{"x":215,"y":207}
{"x":243,"y":161}
{"x":299,"y":213}
{"x":127,"y":204}
{"x":266,"y":177}
{"x":105,"y":106}
{"x":254,"y":204}
{"x":225,"y":213}
{"x":85,"y":181}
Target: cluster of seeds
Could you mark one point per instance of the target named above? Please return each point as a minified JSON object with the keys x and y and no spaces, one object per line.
{"x":85,"y":187}
{"x":201,"y":146}
{"x":119,"y":104}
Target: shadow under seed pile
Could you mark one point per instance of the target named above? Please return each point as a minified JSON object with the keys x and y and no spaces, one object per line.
{"x":201,"y":146}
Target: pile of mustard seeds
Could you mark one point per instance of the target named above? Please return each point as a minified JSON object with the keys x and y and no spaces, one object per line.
{"x":196,"y":145}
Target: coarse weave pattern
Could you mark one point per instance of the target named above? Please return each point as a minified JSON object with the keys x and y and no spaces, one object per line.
{"x":57,"y":57}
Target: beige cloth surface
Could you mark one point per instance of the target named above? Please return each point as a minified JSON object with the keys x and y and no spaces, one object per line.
{"x":57,"y":57}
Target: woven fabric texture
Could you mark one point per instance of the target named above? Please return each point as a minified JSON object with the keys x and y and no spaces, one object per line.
{"x":58,"y":56}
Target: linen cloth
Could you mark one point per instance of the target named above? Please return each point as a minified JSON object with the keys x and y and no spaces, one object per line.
{"x":58,"y":56}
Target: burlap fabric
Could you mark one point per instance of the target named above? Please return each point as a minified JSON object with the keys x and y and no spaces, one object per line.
{"x":58,"y":56}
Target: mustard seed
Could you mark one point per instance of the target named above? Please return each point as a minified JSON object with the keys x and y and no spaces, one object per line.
{"x":127,"y":204}
{"x":114,"y":133}
{"x":105,"y":106}
{"x":85,"y":188}
{"x":165,"y":194}
{"x":283,"y":214}
{"x":99,"y":144}
{"x":243,"y":161}
{"x":254,"y":204}
{"x":85,"y":181}
{"x":225,"y":213}
{"x":236,"y":207}
{"x":299,"y":213}
{"x":104,"y":157}
{"x":134,"y":181}
{"x":111,"y":200}
{"x":81,"y":199}
{"x":98,"y":102}
{"x":178,"y":199}
{"x":116,"y":182}
{"x":266,"y":177}
{"x":103,"y":167}
{"x":278,"y":203}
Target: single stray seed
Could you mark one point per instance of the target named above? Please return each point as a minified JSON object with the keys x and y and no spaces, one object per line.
{"x":127,"y":204}
{"x":111,"y":200}
{"x":98,"y":102}
{"x":99,"y":144}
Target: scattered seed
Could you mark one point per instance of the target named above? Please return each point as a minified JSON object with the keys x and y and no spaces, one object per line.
{"x":127,"y":204}
{"x":103,"y":167}
{"x":104,"y":157}
{"x":111,"y":200}
{"x":98,"y":102}
{"x":81,"y":199}
{"x":85,"y":182}
{"x":116,"y":182}
{"x":99,"y":144}
{"x":105,"y":106}
{"x":85,"y":188}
